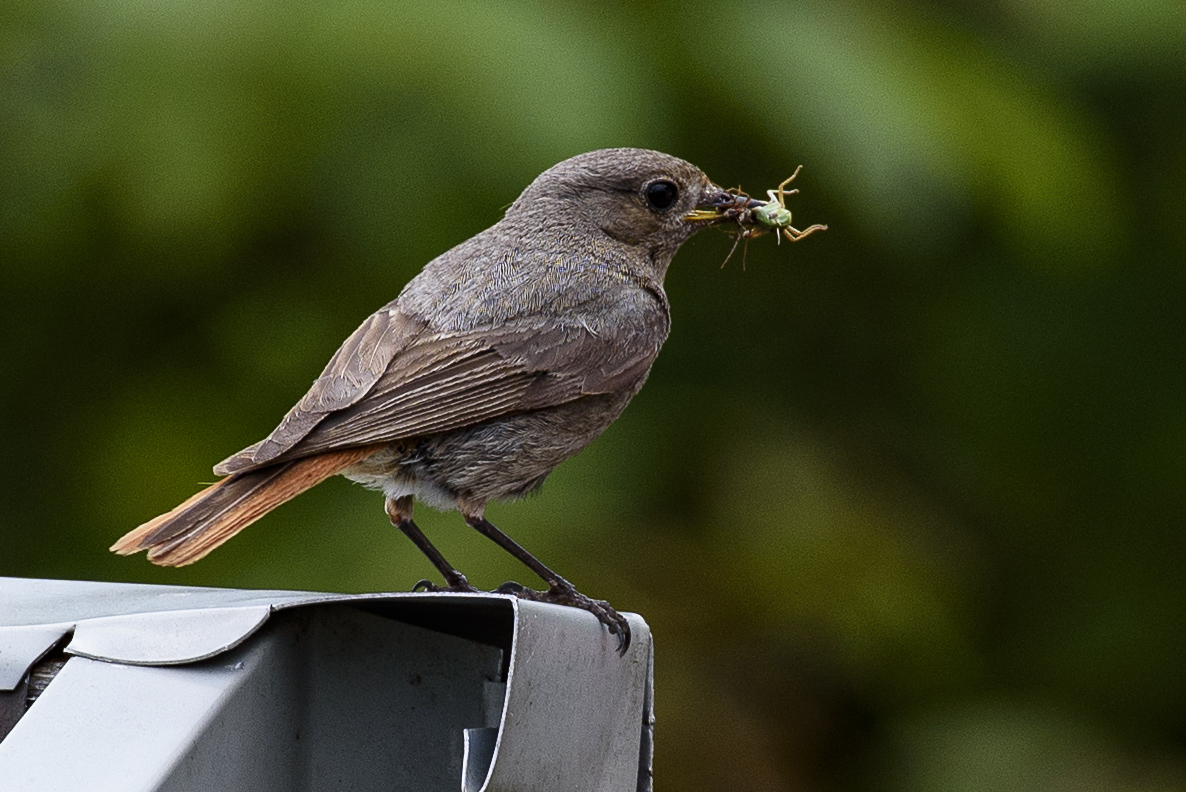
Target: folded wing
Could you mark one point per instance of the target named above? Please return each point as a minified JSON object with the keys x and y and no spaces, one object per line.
{"x":393,"y":379}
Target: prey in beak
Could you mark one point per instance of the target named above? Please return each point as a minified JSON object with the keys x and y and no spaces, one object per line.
{"x":718,"y":207}
{"x":752,"y":217}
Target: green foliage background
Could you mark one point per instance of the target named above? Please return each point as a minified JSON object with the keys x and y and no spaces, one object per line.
{"x":902,"y":503}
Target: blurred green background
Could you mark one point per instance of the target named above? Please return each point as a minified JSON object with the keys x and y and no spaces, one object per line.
{"x":903,"y":503}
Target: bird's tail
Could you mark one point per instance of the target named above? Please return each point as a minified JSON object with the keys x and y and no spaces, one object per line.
{"x":214,"y":515}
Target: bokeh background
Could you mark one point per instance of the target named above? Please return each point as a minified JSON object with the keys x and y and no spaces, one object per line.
{"x":903,"y":503}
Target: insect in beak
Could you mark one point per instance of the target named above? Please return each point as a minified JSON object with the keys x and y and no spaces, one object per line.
{"x":752,"y":217}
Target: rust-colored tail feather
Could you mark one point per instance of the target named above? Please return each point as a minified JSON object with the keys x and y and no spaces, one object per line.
{"x":214,"y":515}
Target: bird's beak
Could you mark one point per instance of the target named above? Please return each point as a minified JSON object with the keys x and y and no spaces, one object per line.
{"x":718,"y":206}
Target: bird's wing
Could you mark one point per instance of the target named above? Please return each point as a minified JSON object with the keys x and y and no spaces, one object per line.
{"x":391,"y":379}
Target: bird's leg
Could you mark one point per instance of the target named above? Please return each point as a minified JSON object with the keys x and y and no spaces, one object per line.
{"x":559,"y":592}
{"x":400,"y":512}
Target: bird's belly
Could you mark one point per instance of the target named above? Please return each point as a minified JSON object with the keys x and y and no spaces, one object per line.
{"x":504,"y":458}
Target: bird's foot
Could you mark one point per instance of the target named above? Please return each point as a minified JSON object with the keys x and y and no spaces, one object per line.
{"x":455,"y":584}
{"x":564,"y":593}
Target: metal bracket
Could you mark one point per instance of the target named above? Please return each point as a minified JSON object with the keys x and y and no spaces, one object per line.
{"x":171,"y":688}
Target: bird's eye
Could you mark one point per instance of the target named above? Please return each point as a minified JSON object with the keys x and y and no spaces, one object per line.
{"x":662,"y":195}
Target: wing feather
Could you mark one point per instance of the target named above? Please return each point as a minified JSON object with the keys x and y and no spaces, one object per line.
{"x":394,"y":379}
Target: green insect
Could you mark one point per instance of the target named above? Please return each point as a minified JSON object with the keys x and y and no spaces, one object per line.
{"x":774,"y":215}
{"x":754,"y":218}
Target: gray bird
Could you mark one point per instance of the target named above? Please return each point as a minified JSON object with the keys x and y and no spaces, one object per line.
{"x":504,"y":357}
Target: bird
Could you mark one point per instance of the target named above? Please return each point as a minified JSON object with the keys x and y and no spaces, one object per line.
{"x":502,"y":358}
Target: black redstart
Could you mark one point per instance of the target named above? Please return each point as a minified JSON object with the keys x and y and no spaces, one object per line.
{"x":504,"y":357}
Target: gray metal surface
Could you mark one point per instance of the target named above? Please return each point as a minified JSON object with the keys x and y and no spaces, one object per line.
{"x":252,"y":690}
{"x":23,"y":645}
{"x":559,"y":693}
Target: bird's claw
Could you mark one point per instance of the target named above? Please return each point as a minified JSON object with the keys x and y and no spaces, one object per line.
{"x":558,"y":593}
{"x":458,"y":585}
{"x":564,"y":593}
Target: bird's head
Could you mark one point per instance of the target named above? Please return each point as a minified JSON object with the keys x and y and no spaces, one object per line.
{"x":633,"y":197}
